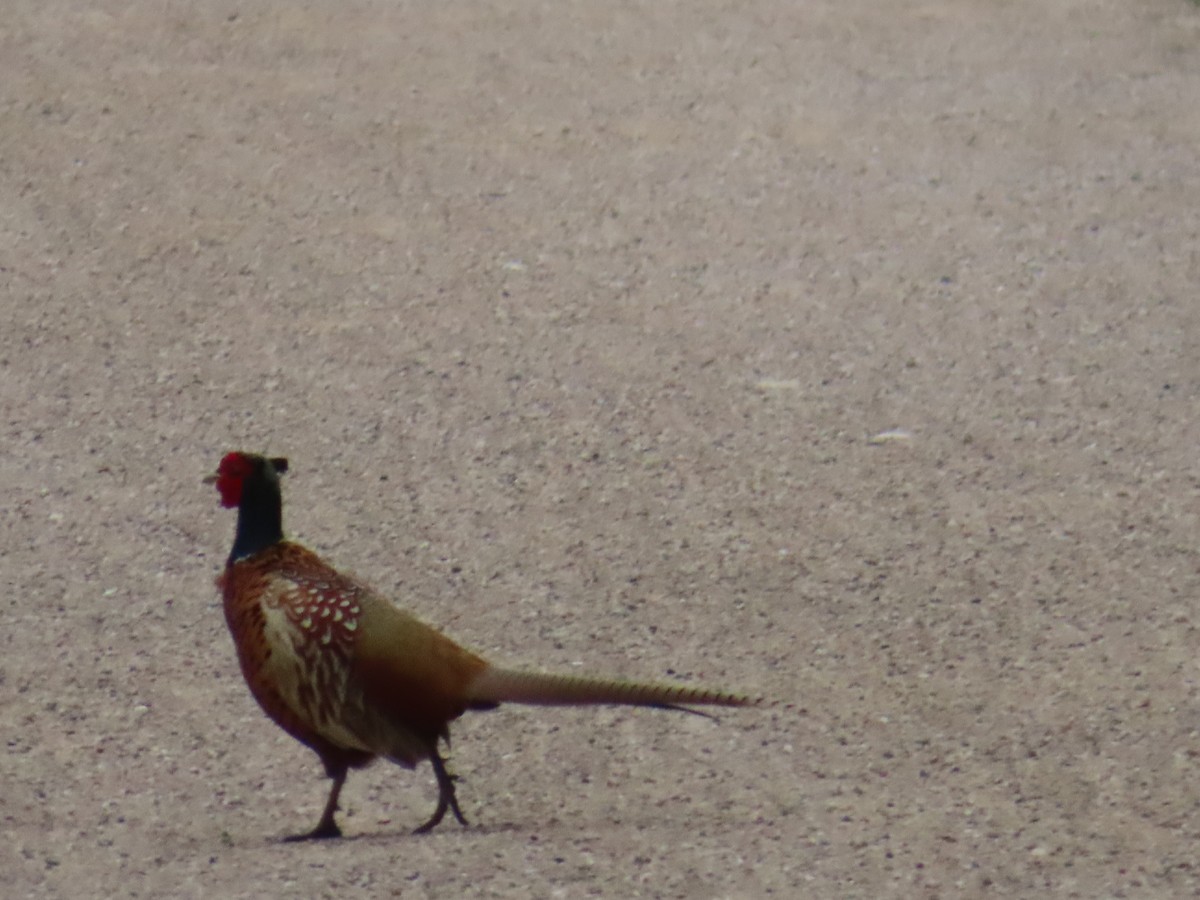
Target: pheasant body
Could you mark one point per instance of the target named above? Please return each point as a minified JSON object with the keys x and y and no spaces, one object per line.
{"x":353,"y":677}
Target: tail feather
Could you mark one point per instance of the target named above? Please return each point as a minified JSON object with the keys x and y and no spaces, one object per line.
{"x":494,"y":685}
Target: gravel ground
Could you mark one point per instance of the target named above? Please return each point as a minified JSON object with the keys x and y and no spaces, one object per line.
{"x":840,"y":352}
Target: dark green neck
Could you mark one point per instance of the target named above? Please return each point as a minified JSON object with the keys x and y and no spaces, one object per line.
{"x":260,"y":515}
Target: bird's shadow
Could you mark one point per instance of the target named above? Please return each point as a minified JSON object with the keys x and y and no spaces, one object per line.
{"x":390,"y":836}
{"x":534,"y":829}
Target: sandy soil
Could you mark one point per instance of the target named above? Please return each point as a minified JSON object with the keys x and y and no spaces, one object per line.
{"x":579,"y":323}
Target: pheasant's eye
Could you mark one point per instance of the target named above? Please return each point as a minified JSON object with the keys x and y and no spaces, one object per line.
{"x":235,"y":465}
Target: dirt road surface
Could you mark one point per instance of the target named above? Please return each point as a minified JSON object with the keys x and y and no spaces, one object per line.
{"x":841,"y":352}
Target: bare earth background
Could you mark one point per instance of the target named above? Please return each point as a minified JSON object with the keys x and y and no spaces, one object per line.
{"x":577,"y":321}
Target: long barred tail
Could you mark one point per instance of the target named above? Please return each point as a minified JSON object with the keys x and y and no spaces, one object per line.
{"x":494,"y":685}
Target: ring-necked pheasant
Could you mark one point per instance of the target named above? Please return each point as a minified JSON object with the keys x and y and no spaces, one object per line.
{"x":348,"y":674}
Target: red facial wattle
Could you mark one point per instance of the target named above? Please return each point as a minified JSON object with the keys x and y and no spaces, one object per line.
{"x":231,"y":474}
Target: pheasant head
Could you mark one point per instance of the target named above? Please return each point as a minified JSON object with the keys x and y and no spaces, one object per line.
{"x":250,"y":483}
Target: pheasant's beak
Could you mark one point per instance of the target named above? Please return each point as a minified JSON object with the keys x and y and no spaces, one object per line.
{"x":209,"y":479}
